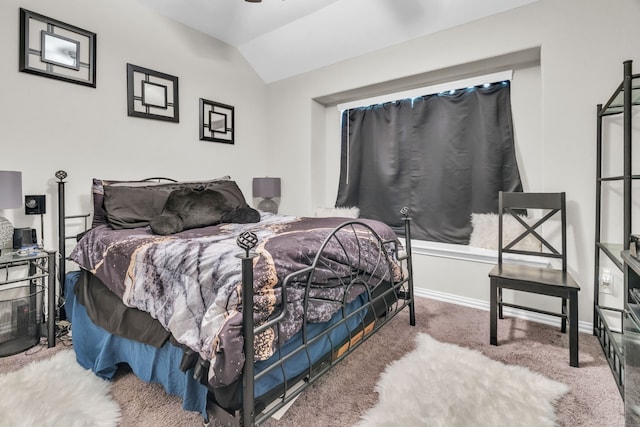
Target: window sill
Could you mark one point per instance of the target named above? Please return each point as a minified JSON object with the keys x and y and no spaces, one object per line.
{"x":471,"y":253}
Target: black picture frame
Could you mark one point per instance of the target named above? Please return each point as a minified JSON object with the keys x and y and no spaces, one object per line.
{"x":54,"y":49}
{"x":217,"y":122}
{"x":152,"y":94}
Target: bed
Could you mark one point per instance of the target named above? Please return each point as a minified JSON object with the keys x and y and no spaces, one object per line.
{"x":234,"y":313}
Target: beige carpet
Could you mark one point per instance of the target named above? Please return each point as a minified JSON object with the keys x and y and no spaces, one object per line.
{"x":342,"y":396}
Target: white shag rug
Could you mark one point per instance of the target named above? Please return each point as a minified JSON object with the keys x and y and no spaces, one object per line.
{"x":56,"y":392}
{"x":441,"y":384}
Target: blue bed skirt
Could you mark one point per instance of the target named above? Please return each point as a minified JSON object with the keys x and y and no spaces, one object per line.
{"x":101,"y":351}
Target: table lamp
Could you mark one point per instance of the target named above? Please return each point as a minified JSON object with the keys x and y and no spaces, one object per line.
{"x":267,"y":188}
{"x":10,"y":198}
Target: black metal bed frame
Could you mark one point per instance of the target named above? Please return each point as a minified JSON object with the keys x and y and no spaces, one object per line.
{"x":395,"y":297}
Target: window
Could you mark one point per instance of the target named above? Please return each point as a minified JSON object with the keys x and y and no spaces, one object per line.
{"x":444,"y":155}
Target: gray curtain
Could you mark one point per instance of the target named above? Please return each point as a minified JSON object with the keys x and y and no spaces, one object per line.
{"x":444,"y":156}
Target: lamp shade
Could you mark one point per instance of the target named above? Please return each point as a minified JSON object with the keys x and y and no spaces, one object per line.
{"x":10,"y":189}
{"x":266,"y":187}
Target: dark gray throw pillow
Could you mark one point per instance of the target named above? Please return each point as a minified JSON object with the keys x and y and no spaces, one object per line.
{"x":189,"y":208}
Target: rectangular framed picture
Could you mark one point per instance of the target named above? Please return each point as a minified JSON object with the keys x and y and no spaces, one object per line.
{"x":216,"y":122}
{"x":54,"y":49}
{"x":152,"y":94}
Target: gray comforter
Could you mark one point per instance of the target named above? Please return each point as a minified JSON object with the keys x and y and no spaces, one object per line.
{"x":191,"y":281}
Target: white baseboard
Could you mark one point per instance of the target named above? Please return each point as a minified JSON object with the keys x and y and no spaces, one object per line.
{"x":585,"y":327}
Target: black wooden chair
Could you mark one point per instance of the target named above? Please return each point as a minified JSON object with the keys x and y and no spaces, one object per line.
{"x":551,"y":281}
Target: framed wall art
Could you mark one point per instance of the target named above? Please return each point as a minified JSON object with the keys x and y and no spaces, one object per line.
{"x":51,"y":48}
{"x":216,"y":122}
{"x":152,"y":94}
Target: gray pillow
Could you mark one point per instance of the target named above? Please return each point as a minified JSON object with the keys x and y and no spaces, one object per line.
{"x":135,"y":206}
{"x":97,"y":193}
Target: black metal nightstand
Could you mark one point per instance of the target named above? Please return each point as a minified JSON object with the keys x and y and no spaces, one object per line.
{"x":25,"y":277}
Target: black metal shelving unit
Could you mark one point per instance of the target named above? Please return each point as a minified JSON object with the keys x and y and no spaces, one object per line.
{"x":621,"y":102}
{"x":631,"y":341}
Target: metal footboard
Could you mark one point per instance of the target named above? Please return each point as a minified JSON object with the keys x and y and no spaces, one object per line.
{"x":388,"y":292}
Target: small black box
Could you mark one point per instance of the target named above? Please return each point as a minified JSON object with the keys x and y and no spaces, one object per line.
{"x":24,"y":237}
{"x":22,"y":319}
{"x":35,"y":205}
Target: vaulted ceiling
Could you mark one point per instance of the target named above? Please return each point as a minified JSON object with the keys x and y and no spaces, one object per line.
{"x":283,"y":38}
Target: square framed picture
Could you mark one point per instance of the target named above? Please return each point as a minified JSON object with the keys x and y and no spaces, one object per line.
{"x":216,"y":122}
{"x":54,"y":49}
{"x":152,"y":94}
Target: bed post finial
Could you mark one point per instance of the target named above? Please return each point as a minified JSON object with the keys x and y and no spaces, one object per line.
{"x":247,"y":241}
{"x":61,"y":175}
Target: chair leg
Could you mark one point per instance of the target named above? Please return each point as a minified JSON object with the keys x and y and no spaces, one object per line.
{"x":573,"y":329}
{"x":500,"y":315}
{"x":493,"y":313}
{"x":563,"y":327}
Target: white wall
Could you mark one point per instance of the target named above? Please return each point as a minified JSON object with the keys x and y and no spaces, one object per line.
{"x":47,"y":125}
{"x":582,"y":46}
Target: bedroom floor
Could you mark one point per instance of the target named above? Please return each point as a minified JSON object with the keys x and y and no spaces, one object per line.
{"x":348,"y":390}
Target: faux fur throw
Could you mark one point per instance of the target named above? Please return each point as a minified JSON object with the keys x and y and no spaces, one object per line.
{"x":346,"y":212}
{"x":485,"y":232}
{"x":188,"y":208}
